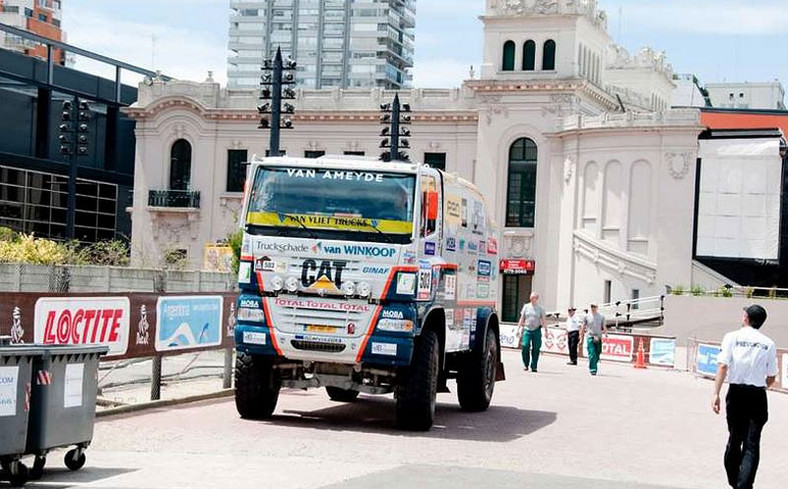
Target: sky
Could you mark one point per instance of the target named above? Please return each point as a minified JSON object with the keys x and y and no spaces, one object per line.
{"x":722,"y":40}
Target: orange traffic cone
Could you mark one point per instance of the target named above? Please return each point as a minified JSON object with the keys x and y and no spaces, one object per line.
{"x":641,"y":358}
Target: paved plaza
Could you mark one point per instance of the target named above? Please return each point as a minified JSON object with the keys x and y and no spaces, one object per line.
{"x":559,"y":428}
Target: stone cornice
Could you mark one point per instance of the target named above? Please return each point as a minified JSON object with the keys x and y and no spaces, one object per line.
{"x":156,"y":108}
{"x":572,"y":85}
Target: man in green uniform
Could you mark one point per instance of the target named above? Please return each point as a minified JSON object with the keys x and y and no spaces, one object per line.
{"x":593,"y":329}
{"x":532,"y":319}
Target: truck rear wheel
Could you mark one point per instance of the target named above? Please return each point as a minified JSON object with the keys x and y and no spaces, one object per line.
{"x":476,"y":378}
{"x":341,"y":395}
{"x":256,"y":387}
{"x":417,"y":390}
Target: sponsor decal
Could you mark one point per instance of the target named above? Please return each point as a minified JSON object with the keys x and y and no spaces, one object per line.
{"x":517,"y":267}
{"x":321,"y":305}
{"x":261,"y":246}
{"x":392,"y":314}
{"x":83,"y":320}
{"x":466,"y":318}
{"x":478,"y":218}
{"x":185,"y":322}
{"x":254,"y":338}
{"x":388,"y":349}
{"x":450,"y":283}
{"x":429,"y":248}
{"x":485,"y":268}
{"x":328,"y":275}
{"x":453,"y":210}
{"x":425,"y":283}
{"x":72,"y":390}
{"x":357,"y":250}
{"x":409,"y":258}
{"x":249,"y":304}
{"x":462,"y":244}
{"x":143,"y":328}
{"x":406,"y":283}
{"x":246,"y":245}
{"x":376,"y":270}
{"x":662,"y":351}
{"x":264,"y":264}
{"x":483,"y":290}
{"x":244,"y":272}
{"x":473,"y":246}
{"x":464,"y":213}
{"x":17,"y":332}
{"x":492,"y":246}
{"x":348,"y":175}
{"x":320,"y":339}
{"x":451,"y":243}
{"x":449,"y":314}
{"x":9,"y":377}
{"x":707,"y":359}
{"x":345,"y":223}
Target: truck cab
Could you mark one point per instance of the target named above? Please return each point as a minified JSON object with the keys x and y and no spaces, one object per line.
{"x":364,"y":276}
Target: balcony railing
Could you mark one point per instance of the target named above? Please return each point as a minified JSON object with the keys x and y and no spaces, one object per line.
{"x":174,"y":198}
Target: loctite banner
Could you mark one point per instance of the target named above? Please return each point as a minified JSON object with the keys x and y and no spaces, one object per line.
{"x":126,"y":323}
{"x":83,"y":321}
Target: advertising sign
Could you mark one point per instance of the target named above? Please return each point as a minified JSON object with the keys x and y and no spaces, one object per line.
{"x":707,"y":359}
{"x":618,"y":347}
{"x":518,"y":267}
{"x":187,"y":322}
{"x":217,"y":258}
{"x":9,"y":376}
{"x":83,"y":320}
{"x":508,"y":336}
{"x":662,"y":351}
{"x":554,"y":340}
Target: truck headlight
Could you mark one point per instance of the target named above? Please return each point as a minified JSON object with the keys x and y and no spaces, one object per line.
{"x":364,"y":289}
{"x":291,"y":284}
{"x":349,"y":288}
{"x":254,"y":315}
{"x":277,"y":283}
{"x":398,"y":325}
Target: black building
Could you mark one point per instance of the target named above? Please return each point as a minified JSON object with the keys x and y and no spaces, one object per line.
{"x":37,"y":154}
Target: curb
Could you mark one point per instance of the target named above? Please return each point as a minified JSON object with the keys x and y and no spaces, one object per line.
{"x":133,"y":408}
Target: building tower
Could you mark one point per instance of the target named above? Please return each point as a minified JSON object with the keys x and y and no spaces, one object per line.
{"x":41,"y":17}
{"x":337,"y":43}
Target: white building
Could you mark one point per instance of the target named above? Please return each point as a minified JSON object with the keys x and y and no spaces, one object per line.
{"x":338,"y":43}
{"x":768,"y":95}
{"x":600,"y":200}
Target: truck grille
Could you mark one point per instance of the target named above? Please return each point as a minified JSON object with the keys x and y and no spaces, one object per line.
{"x":317,"y":346}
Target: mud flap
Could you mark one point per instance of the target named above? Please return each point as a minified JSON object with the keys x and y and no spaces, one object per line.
{"x":499,"y":373}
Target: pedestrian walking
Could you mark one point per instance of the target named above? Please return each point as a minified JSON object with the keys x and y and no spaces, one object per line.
{"x":532,"y":320}
{"x":748,"y":358}
{"x":593,"y":329}
{"x":572,"y":326}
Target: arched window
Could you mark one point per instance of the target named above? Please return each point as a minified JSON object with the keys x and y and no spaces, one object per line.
{"x":180,"y":165}
{"x":639,"y":227}
{"x":548,"y":56}
{"x":592,"y":191}
{"x":521,"y":192}
{"x":508,"y":56}
{"x":529,"y":56}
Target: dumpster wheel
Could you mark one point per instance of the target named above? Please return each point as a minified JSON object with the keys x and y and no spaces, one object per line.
{"x":75,"y":459}
{"x":38,"y":467}
{"x":18,"y":473}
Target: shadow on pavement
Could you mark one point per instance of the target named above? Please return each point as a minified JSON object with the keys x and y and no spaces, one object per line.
{"x":61,"y":477}
{"x":372,"y":414}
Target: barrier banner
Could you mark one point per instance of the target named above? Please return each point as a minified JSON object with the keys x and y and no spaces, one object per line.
{"x":127,"y":323}
{"x":554,"y":340}
{"x":662,"y":351}
{"x":509,"y":337}
{"x":784,"y":377}
{"x":706,"y":360}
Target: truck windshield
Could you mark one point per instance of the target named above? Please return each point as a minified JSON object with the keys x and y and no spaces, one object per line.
{"x":332,"y":204}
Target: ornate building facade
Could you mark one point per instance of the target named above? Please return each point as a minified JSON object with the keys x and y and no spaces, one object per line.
{"x":591,"y":176}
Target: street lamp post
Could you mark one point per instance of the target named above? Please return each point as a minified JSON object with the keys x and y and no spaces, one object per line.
{"x":395,"y":116}
{"x":276,"y":85}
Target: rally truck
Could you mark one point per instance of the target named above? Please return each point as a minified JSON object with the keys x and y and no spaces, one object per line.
{"x":363,"y":276}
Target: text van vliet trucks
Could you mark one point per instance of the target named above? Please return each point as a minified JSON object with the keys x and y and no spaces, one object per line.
{"x":363,"y":276}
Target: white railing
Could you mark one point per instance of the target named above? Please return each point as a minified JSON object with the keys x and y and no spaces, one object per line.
{"x":628,"y":312}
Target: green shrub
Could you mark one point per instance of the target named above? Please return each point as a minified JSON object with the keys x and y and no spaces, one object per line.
{"x":725,"y":292}
{"x":697,"y":290}
{"x":677,"y":290}
{"x":235,"y":241}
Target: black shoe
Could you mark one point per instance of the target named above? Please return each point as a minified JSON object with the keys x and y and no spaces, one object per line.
{"x":593,"y":373}
{"x":533,"y":370}
{"x":571,"y":363}
{"x":526,"y":369}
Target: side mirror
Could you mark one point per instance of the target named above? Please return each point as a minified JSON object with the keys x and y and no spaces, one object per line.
{"x":432,"y":205}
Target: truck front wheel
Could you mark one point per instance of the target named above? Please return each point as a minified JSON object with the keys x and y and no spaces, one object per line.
{"x":417,"y":389}
{"x":256,"y":387}
{"x":476,"y":377}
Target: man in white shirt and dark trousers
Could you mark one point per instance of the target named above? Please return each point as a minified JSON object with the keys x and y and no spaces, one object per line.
{"x":749,"y":359}
{"x":572,"y":334}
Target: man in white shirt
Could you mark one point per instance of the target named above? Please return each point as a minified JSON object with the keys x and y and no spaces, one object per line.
{"x":573,"y":323}
{"x":532,"y":320}
{"x":749,"y":359}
